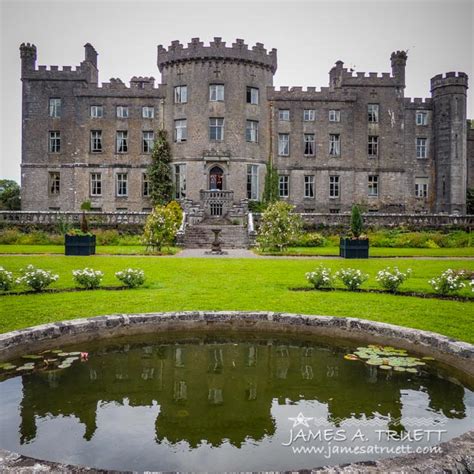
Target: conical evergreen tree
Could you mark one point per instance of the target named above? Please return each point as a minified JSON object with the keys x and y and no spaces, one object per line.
{"x":159,"y":172}
{"x":271,"y":191}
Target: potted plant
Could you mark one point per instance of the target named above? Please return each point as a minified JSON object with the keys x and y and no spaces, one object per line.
{"x":357,"y":244}
{"x":80,"y":241}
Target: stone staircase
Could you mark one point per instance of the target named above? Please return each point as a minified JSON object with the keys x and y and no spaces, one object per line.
{"x":201,"y":236}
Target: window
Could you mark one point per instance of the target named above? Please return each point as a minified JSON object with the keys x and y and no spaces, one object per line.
{"x":145,"y":185}
{"x":252,"y":95}
{"x":96,"y":184}
{"x":373,"y":146}
{"x":96,"y":141}
{"x":148,"y":112}
{"x":216,"y":92}
{"x":421,"y":118}
{"x":284,"y":186}
{"x":251,"y":131}
{"x":252,"y":182}
{"x":122,"y":184}
{"x":421,"y":148}
{"x":180,"y":181}
{"x":147,"y":141}
{"x":334,"y":115}
{"x":333,"y":186}
{"x":309,"y":186}
{"x":283,"y":144}
{"x":54,"y":183}
{"x":421,"y":187}
{"x":122,"y":111}
{"x":284,"y":115}
{"x":334,"y":144}
{"x":309,"y":149}
{"x":55,"y":108}
{"x":373,"y":113}
{"x":216,"y":129}
{"x":180,"y":130}
{"x":97,"y":111}
{"x":122,"y":141}
{"x":180,"y":94}
{"x":54,"y":142}
{"x":373,"y":185}
{"x":309,"y":115}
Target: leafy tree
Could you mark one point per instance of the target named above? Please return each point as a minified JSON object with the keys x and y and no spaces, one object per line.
{"x":470,"y":201}
{"x":159,"y":172}
{"x":9,"y":195}
{"x":279,"y":227}
{"x":162,"y":226}
{"x":356,"y":222}
{"x":271,"y":191}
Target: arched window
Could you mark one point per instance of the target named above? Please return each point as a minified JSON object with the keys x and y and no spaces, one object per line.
{"x":216,"y":179}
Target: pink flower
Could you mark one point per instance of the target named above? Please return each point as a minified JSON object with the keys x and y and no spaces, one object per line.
{"x":84,"y":355}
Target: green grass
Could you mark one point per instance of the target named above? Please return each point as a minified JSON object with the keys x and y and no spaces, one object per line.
{"x":383,"y":252}
{"x":100,"y":249}
{"x":236,"y":284}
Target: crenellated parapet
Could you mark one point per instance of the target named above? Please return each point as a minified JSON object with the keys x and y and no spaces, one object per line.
{"x":217,"y":50}
{"x":449,"y":79}
{"x":418,"y":103}
{"x":309,"y":94}
{"x":139,"y":87}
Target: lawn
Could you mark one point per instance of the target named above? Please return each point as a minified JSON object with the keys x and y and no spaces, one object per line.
{"x":236,"y":284}
{"x":100,"y":249}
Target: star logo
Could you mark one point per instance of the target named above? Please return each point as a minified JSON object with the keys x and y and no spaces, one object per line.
{"x":300,"y":420}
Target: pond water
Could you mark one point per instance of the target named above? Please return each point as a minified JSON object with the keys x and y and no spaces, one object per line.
{"x":215,"y":402}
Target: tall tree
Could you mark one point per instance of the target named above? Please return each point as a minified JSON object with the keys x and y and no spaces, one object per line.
{"x":9,"y":195}
{"x":159,"y":172}
{"x":271,"y":191}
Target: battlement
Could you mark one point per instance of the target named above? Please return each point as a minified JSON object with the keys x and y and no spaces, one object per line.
{"x":217,"y":50}
{"x":351,"y":78}
{"x":298,"y":93}
{"x":449,"y":79}
{"x":418,"y":103}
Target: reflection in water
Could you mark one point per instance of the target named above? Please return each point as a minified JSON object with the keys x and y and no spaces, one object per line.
{"x":222,"y":394}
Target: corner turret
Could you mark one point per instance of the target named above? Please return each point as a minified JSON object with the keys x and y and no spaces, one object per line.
{"x":90,"y":54}
{"x":28,"y":57}
{"x":398,"y":60}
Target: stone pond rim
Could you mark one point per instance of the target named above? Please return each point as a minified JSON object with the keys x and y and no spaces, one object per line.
{"x":458,"y":454}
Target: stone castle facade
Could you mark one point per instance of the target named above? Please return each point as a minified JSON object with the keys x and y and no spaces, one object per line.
{"x":359,"y":140}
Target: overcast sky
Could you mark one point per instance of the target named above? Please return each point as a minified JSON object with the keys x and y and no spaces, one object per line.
{"x":309,"y":36}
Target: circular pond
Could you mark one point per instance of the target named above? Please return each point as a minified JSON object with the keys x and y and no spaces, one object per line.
{"x":227,"y":401}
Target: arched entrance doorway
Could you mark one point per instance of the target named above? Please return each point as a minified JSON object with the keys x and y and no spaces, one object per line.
{"x":216,"y":179}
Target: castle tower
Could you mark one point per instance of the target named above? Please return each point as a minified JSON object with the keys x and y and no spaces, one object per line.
{"x":450,"y":137}
{"x":28,"y":57}
{"x":398,"y":60}
{"x":217,"y":115}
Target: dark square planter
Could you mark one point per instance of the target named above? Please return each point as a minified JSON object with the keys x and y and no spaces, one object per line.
{"x":354,"y":248}
{"x":79,"y":244}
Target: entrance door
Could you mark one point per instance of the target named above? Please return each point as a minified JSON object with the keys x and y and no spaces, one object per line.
{"x":216,"y":179}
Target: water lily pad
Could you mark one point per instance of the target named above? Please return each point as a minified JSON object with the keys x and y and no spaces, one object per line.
{"x":412,"y":371}
{"x":57,"y":351}
{"x":31,"y":357}
{"x":63,"y":354}
{"x":7,"y":366}
{"x":25,"y":367}
{"x":363,"y":355}
{"x":428,"y":358}
{"x":64,"y":366}
{"x":351,"y":357}
{"x":399,"y":369}
{"x":375,"y":362}
{"x":385,"y":367}
{"x":74,"y":354}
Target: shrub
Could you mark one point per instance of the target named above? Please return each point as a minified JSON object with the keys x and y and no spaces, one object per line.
{"x":6,"y":279}
{"x":131,"y":277}
{"x":279,"y":227}
{"x":310,"y":239}
{"x":161,"y":227}
{"x":448,"y":282}
{"x":356,"y":222}
{"x":36,"y":278}
{"x":352,"y":278}
{"x":472,"y":285}
{"x":321,"y":278}
{"x":390,"y":279}
{"x":88,"y":278}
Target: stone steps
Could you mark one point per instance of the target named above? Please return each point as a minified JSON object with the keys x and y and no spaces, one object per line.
{"x":201,"y":236}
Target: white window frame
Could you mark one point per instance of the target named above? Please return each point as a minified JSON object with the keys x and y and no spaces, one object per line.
{"x":252,"y":182}
{"x":309,"y":115}
{"x":309,"y":140}
{"x":148,"y":112}
{"x":334,"y":187}
{"x":96,"y":141}
{"x":55,"y":107}
{"x":180,"y":94}
{"x":283,"y":186}
{"x":283,"y":144}
{"x":334,"y":144}
{"x":284,"y":115}
{"x":421,"y":187}
{"x":121,"y":141}
{"x":421,"y":148}
{"x":216,"y":92}
{"x":216,"y":127}
{"x":54,"y":183}
{"x":373,"y":185}
{"x":147,"y":142}
{"x":180,"y":130}
{"x":121,"y":180}
{"x":309,"y":187}
{"x":372,"y":146}
{"x":97,"y":111}
{"x":251,"y":131}
{"x":122,"y":111}
{"x":252,"y":95}
{"x":421,"y":117}
{"x":96,"y":184}
{"x":334,"y":115}
{"x":54,"y":141}
{"x":373,"y":113}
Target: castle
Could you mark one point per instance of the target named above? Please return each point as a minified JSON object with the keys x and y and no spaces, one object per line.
{"x":359,"y":140}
